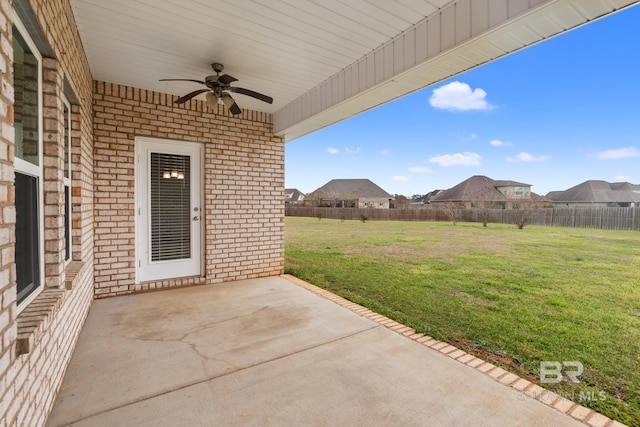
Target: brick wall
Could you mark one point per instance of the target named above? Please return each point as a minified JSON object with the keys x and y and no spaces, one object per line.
{"x":53,"y":130}
{"x":243,"y":185}
{"x":8,"y":327}
{"x":37,"y":344}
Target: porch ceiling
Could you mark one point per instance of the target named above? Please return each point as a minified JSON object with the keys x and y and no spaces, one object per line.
{"x":321,"y":61}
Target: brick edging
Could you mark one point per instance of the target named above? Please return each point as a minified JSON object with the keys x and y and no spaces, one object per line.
{"x":527,"y":389}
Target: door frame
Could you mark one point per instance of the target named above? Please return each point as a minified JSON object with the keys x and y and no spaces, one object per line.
{"x":143,"y":147}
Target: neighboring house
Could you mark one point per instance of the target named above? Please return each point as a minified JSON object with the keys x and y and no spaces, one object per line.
{"x":349,"y":193}
{"x":598,"y":193}
{"x":424,"y":199}
{"x":480,"y":189}
{"x":293,"y":196}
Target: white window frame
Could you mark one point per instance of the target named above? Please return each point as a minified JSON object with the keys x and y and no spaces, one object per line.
{"x":28,"y":168}
{"x":67,"y":183}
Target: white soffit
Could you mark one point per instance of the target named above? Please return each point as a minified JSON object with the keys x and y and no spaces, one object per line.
{"x":321,"y":60}
{"x":456,"y":38}
{"x":282,"y":48}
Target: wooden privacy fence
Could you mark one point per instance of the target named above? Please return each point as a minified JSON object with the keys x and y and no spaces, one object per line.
{"x":585,"y":217}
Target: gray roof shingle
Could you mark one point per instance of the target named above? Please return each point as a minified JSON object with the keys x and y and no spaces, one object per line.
{"x":348,"y":189}
{"x":293,"y":195}
{"x":472,"y":189}
{"x":598,"y":191}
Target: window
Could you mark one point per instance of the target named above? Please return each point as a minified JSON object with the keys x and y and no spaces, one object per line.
{"x":170,"y":206}
{"x":67,"y":179}
{"x":519,"y":191}
{"x":27,"y":235}
{"x":27,"y":72}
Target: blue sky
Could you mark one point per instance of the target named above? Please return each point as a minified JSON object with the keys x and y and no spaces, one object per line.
{"x":553,"y":115}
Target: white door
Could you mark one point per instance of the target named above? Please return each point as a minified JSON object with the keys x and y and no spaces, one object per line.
{"x":168,"y":209}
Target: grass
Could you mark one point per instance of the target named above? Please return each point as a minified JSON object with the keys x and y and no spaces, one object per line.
{"x":514,"y":297}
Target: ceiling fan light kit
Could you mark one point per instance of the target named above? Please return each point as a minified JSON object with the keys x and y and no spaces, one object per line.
{"x":218,"y":88}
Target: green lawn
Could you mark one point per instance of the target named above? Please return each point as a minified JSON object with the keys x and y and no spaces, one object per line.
{"x":514,"y":297}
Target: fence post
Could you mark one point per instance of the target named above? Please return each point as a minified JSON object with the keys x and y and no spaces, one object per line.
{"x":601,"y":212}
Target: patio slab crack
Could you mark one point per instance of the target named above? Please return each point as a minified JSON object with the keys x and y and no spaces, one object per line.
{"x":239,"y":369}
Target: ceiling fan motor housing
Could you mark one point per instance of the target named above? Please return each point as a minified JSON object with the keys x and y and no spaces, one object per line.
{"x":212,"y":82}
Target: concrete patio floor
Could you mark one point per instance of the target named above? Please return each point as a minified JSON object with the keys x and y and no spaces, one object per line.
{"x":268,"y":352}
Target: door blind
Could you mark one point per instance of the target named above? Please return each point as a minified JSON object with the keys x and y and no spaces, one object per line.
{"x":170,"y":208}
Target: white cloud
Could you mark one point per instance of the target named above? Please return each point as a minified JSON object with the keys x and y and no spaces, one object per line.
{"x":420,"y":169}
{"x":351,"y":151}
{"x":526,"y":157}
{"x":622,"y":178}
{"x":385,"y":152}
{"x":457,"y":96}
{"x":332,"y":150}
{"x":620,"y":153}
{"x":499,"y":143}
{"x":464,"y":159}
{"x":400,"y":178}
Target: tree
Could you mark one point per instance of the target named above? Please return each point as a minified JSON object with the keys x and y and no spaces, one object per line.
{"x":484,"y":203}
{"x":523,"y":211}
{"x":452,"y":210}
{"x":399,"y":198}
{"x":400,"y":201}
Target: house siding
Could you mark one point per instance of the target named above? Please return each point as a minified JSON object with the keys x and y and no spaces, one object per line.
{"x":373,"y":202}
{"x":37,"y":344}
{"x":243,"y":186}
{"x":510,"y":192}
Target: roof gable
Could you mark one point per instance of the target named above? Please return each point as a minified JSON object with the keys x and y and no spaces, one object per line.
{"x":293,"y":195}
{"x":474,"y":188}
{"x":348,"y":189}
{"x":598,"y":191}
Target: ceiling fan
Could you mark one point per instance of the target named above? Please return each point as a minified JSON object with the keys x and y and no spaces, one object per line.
{"x":218,"y":88}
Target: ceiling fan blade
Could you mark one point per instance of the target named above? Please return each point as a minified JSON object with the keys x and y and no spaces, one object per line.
{"x":226,"y":79}
{"x":252,"y":94}
{"x":182,"y":80}
{"x":212,"y":100}
{"x":188,"y":96}
{"x":231,"y":104}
